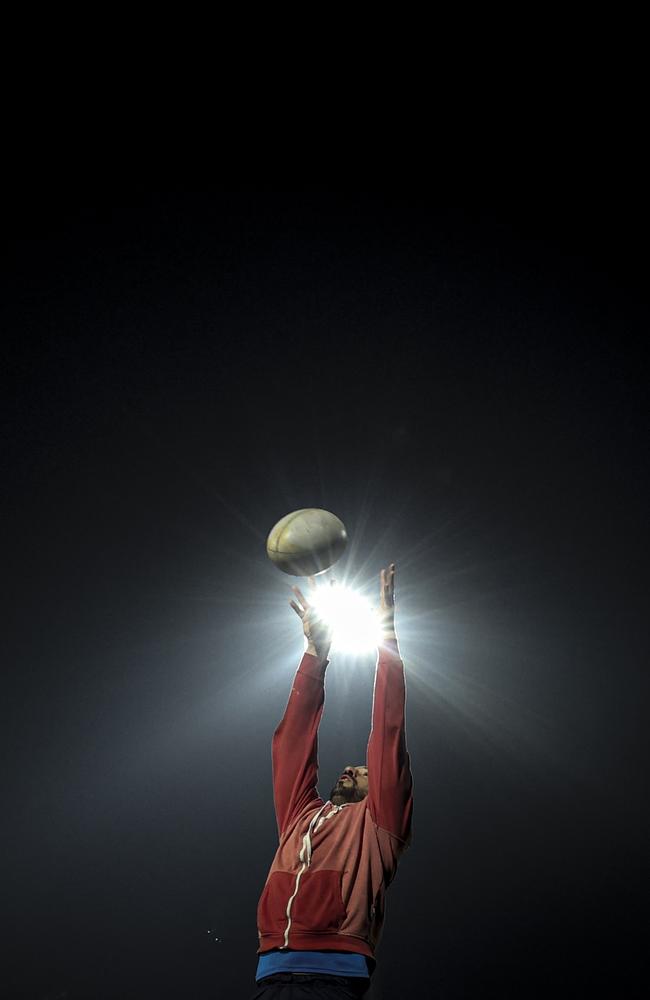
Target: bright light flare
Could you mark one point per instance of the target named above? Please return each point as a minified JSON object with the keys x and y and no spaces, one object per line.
{"x":355,"y":624}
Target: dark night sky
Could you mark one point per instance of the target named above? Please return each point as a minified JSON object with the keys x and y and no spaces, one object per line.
{"x":460,"y":378}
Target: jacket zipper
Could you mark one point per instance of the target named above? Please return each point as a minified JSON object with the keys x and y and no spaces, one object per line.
{"x":306,"y":846}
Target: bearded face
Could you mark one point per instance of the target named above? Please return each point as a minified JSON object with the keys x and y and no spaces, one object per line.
{"x":352,"y":786}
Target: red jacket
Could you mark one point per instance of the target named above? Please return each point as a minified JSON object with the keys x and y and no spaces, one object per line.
{"x":326,"y":887}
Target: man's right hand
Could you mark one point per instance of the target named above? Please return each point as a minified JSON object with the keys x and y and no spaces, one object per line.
{"x":317,"y":632}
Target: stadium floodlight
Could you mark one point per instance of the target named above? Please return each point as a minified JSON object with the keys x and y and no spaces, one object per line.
{"x":355,"y":624}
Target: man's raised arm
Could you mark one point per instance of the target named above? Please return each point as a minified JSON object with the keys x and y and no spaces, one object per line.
{"x":295,"y":741}
{"x":390,"y":783}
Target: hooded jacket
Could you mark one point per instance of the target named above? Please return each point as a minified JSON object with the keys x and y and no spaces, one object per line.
{"x":326,"y":887}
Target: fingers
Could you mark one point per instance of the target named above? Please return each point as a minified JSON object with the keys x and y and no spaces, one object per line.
{"x":305,"y":604}
{"x":387,"y":578}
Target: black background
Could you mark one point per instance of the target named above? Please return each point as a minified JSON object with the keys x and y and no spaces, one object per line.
{"x":457,"y":370}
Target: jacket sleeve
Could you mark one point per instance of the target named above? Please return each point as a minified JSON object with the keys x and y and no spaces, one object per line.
{"x":390,"y":782}
{"x":295,"y":743}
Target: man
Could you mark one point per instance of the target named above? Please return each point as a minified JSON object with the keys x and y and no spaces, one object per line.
{"x":321,"y":912}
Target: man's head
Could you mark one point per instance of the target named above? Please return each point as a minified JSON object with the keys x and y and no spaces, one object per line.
{"x":352,"y":786}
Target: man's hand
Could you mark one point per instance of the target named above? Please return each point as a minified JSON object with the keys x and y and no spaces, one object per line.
{"x":387,"y":602}
{"x":318,"y":633}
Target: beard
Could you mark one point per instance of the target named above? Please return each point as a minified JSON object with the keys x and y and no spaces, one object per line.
{"x":345,"y":792}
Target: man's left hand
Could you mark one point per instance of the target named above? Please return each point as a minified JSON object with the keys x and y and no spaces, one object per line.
{"x":387,"y":602}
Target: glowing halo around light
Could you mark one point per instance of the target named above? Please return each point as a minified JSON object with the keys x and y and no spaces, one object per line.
{"x":355,"y":624}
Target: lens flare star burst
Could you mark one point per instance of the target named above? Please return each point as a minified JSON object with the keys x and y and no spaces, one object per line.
{"x":356,"y":627}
